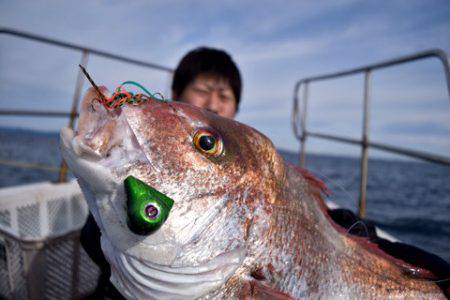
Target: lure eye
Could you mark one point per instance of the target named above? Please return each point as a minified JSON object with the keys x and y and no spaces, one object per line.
{"x":152,"y":211}
{"x":208,"y":142}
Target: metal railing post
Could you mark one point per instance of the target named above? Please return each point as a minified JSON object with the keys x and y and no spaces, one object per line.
{"x":303,"y":126}
{"x":74,"y":110}
{"x":295,"y":111}
{"x":365,"y":146}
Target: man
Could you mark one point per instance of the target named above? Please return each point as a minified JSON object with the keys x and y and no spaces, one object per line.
{"x":208,"y":78}
{"x":205,"y":77}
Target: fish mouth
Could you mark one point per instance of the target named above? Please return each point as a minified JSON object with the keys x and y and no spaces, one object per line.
{"x":83,"y":160}
{"x":106,"y":199}
{"x":74,"y":143}
{"x":99,"y":130}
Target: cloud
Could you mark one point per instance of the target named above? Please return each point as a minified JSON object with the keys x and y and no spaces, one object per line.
{"x":274,"y":44}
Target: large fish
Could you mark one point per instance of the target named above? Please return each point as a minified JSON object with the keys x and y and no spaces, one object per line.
{"x":244,"y":223}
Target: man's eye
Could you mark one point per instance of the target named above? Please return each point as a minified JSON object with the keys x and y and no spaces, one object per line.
{"x":225,"y":98}
{"x":201,"y":91}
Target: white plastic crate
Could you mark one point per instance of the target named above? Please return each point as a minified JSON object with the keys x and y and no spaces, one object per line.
{"x":40,"y":253}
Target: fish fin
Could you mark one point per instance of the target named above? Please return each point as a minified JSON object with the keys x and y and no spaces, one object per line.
{"x":255,"y":289}
{"x":315,"y":182}
{"x":406,"y":257}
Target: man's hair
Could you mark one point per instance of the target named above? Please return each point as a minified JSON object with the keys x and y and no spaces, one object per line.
{"x":207,"y":61}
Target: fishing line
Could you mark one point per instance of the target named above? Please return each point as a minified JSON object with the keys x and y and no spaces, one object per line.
{"x":330,"y":182}
{"x":441,"y":280}
{"x":138,"y":85}
{"x":363,"y":225}
{"x":122,"y":96}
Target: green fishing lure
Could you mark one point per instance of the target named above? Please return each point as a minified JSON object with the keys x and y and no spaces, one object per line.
{"x":147,"y":208}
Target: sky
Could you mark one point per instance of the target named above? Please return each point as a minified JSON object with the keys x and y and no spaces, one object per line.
{"x":274,"y":43}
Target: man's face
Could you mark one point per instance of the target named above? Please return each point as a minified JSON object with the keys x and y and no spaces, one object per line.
{"x":211,"y":93}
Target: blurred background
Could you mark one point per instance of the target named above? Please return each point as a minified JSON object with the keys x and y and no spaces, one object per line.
{"x":274,"y":44}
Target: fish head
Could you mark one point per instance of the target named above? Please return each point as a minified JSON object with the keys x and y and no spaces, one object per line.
{"x":217,"y":171}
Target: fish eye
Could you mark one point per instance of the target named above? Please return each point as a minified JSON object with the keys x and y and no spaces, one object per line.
{"x":208,"y":142}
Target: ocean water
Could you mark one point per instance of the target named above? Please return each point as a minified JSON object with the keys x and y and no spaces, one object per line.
{"x":410,"y":200}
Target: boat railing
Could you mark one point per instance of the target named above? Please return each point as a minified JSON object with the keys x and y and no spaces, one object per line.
{"x":86,"y":52}
{"x":300,"y":110}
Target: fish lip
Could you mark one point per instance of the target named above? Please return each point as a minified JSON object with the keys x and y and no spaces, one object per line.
{"x":66,"y":134}
{"x":84,"y":164}
{"x":75,"y":144}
